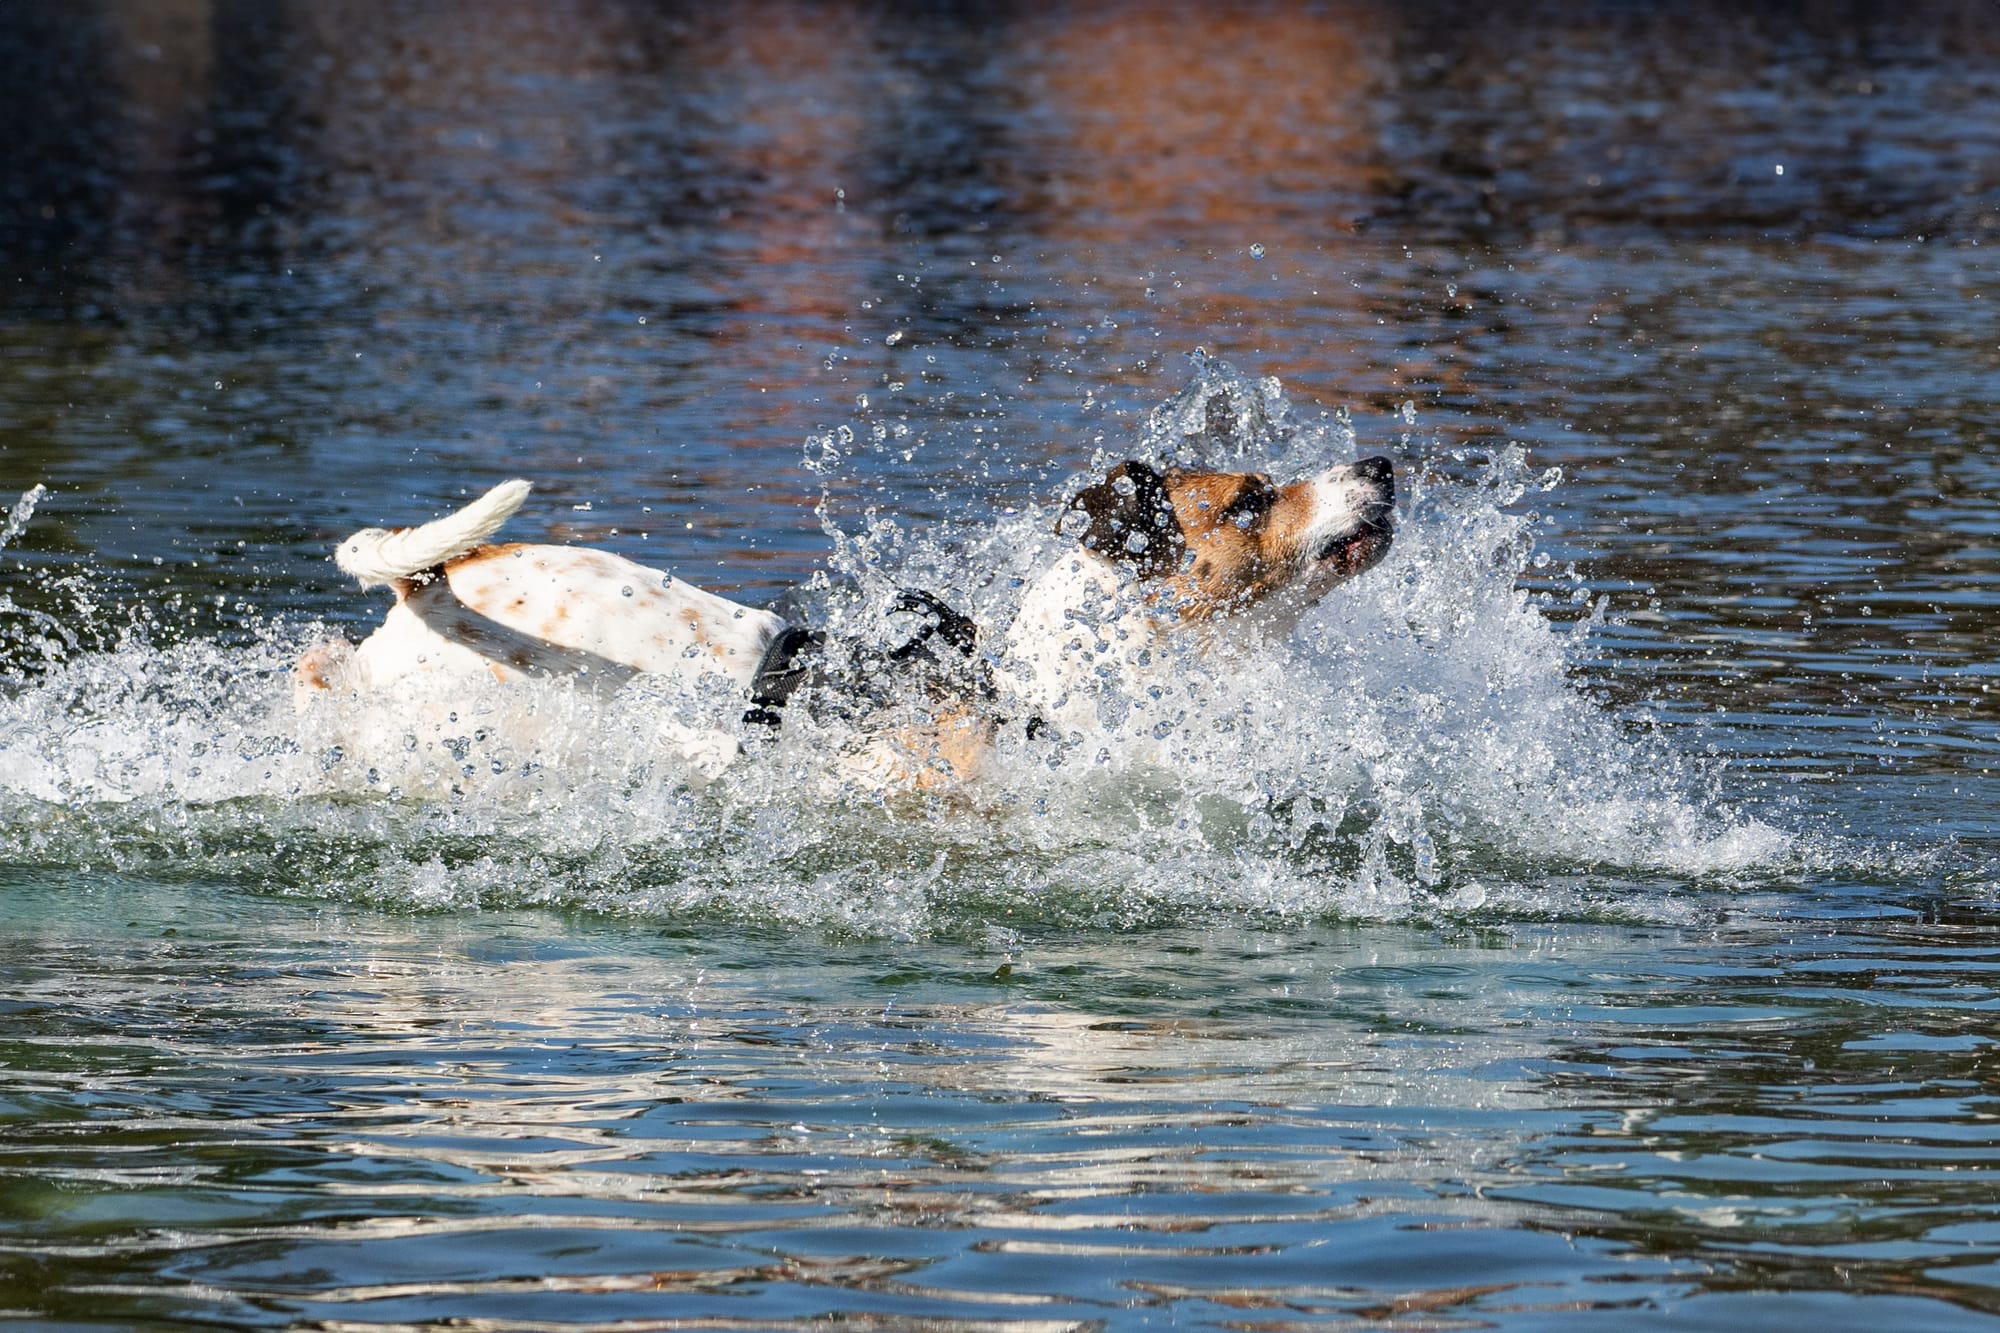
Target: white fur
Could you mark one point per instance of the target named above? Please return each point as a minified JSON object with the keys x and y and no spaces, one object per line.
{"x":564,"y":611}
{"x":1083,"y":625}
{"x":501,"y":613}
{"x":377,"y":556}
{"x":1340,"y":498}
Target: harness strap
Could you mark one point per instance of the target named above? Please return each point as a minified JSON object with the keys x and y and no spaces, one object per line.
{"x":797,"y":657}
{"x":781,"y":673}
{"x":951,"y":626}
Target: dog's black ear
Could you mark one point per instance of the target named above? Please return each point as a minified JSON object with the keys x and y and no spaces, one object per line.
{"x":1128,"y":518}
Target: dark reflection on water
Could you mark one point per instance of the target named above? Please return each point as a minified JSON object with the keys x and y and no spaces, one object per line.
{"x":272,"y":271}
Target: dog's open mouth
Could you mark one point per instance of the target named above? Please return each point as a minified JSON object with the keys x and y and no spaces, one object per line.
{"x":1358,"y":550}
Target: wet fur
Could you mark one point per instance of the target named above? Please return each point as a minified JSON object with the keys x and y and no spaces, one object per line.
{"x":1175,"y":559}
{"x":1162,"y":557}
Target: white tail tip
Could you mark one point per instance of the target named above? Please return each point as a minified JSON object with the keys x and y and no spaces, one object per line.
{"x":377,"y":556}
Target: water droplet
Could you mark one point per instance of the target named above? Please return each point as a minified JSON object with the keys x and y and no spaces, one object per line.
{"x":1257,"y":251}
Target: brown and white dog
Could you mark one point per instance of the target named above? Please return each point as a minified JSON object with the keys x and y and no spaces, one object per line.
{"x":1175,"y":559}
{"x":1165,"y":559}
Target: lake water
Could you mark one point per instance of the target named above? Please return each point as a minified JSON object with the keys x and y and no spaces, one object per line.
{"x":1588,"y":917}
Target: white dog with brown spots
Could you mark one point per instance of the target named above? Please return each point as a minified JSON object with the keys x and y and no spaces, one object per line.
{"x":1164,"y":558}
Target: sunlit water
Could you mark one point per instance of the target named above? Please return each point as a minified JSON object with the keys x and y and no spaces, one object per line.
{"x":1585,"y":916}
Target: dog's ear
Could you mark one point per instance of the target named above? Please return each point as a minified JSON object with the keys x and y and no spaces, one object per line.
{"x":1128,"y":518}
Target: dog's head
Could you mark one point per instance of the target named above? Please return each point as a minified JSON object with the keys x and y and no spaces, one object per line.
{"x":1220,"y":543}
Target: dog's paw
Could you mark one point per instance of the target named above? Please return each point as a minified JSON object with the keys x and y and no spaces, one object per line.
{"x":328,"y":667}
{"x":706,"y":751}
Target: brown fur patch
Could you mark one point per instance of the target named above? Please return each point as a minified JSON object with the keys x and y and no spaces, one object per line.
{"x":312,"y":670}
{"x":479,"y":555}
{"x":949,"y":752}
{"x":1246,"y":536}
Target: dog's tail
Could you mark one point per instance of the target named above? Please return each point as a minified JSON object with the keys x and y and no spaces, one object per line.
{"x":381,"y":555}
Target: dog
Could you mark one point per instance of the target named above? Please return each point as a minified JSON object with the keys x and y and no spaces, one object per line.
{"x":1164,"y":560}
{"x":1175,"y":560}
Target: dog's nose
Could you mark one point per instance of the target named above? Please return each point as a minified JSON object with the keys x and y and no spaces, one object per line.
{"x":1377,"y":469}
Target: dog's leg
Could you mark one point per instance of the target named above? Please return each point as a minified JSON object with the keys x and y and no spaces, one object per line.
{"x":324,"y":668}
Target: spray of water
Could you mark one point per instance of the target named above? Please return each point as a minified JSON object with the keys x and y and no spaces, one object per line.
{"x":1418,"y":747}
{"x":27,"y":635}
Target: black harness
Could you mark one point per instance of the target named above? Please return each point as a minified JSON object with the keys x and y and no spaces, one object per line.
{"x":844,"y":676}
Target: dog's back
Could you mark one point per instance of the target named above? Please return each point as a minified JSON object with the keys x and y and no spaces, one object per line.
{"x":465,"y":608}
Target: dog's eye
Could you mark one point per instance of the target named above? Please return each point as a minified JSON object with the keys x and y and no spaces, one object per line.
{"x":1247,"y":507}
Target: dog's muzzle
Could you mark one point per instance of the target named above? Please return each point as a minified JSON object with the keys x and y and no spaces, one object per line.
{"x":1353,"y":552}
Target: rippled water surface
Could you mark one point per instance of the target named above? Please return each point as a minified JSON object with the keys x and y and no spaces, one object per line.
{"x":1586,"y":916}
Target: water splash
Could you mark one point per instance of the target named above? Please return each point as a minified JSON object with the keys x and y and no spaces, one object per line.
{"x":23,"y":510}
{"x":27,"y":635}
{"x":1416,"y":748}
